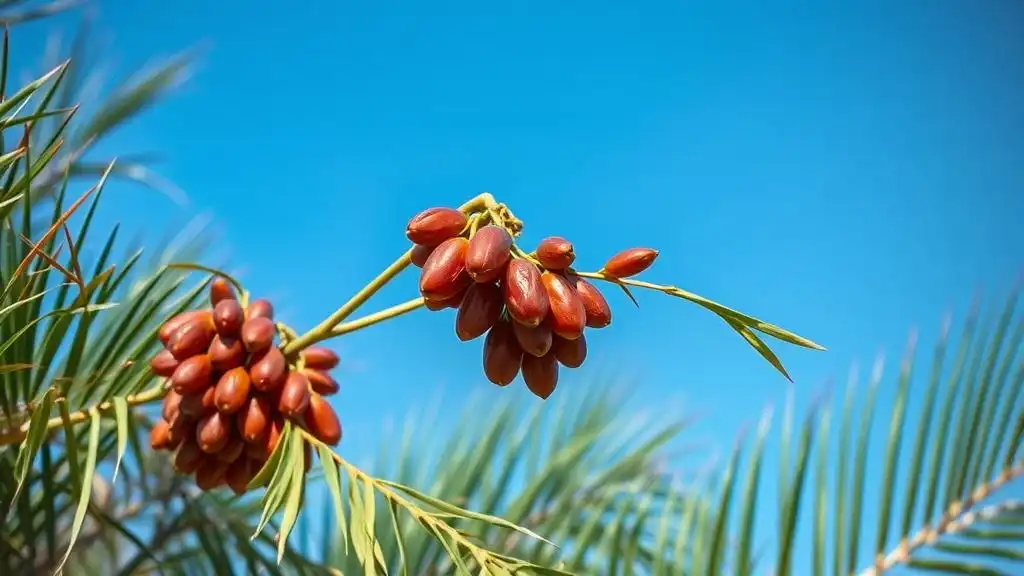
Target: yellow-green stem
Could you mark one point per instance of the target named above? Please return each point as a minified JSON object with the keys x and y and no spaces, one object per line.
{"x":326,"y":329}
{"x":19,"y":433}
{"x":371,"y":319}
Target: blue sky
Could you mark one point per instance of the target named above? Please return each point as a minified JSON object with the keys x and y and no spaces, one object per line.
{"x":847,"y":172}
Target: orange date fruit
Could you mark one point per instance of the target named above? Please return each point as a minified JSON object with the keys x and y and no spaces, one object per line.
{"x":226,"y":353}
{"x":232,"y":391}
{"x":540,"y":374}
{"x":536,"y":340}
{"x":171,"y":405}
{"x":629,"y":262}
{"x":435,"y":225}
{"x":228,"y":318}
{"x":294,"y":397}
{"x":555,"y":253}
{"x":192,"y":376}
{"x":502,"y":354}
{"x":568,"y":316}
{"x":480,"y":309}
{"x":444,"y":274}
{"x":488,"y":253}
{"x":220,"y":290}
{"x":192,"y":337}
{"x":599,"y":314}
{"x":525,"y":299}
{"x":175,"y":322}
{"x":160,"y":436}
{"x":254,"y":420}
{"x":322,"y":421}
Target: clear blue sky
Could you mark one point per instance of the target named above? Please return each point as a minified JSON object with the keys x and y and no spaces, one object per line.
{"x":847,"y":172}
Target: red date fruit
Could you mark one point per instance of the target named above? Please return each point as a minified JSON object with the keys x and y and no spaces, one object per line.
{"x":213,"y":432}
{"x":238,"y":475}
{"x":321,"y":420}
{"x":268,"y":370}
{"x":480,"y":309}
{"x":210,"y":473}
{"x":599,"y":314}
{"x":192,"y":337}
{"x":171,"y":405}
{"x":228,"y":318}
{"x":294,"y":395}
{"x":535,"y":341}
{"x":175,"y":322}
{"x":254,"y":420}
{"x":320,"y":358}
{"x":525,"y":299}
{"x":502,"y":354}
{"x":540,"y":374}
{"x":192,"y":376}
{"x":163,"y":364}
{"x":160,"y":436}
{"x":232,"y":391}
{"x":420,"y":254}
{"x":260,"y":308}
{"x":570,"y":353}
{"x":488,"y":253}
{"x":188,"y":457}
{"x":435,"y":225}
{"x":568,"y":316}
{"x":453,"y":302}
{"x":322,"y":382}
{"x":258,"y":334}
{"x":444,"y":274}
{"x":192,"y":406}
{"x":231,"y":451}
{"x":220,"y":290}
{"x":555,"y":253}
{"x":226,"y":353}
{"x":629,"y":262}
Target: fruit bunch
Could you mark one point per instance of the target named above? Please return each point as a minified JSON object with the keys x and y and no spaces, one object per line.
{"x":533,"y":308}
{"x":231,"y":388}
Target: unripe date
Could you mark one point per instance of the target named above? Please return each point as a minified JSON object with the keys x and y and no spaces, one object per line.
{"x":322,"y":382}
{"x":260,"y":308}
{"x":570,"y":353}
{"x":540,"y":374}
{"x":254,"y":420}
{"x":226,"y":352}
{"x":488,"y":253}
{"x":192,"y":337}
{"x":536,"y":340}
{"x":555,"y":253}
{"x":568,"y":316}
{"x":420,"y":254}
{"x":480,"y":309}
{"x":220,"y":290}
{"x":525,"y":299}
{"x":629,"y":262}
{"x":444,"y":274}
{"x":192,"y":376}
{"x":502,"y":355}
{"x":321,"y":420}
{"x":268,"y":370}
{"x":320,"y":358}
{"x":599,"y":314}
{"x":232,"y":391}
{"x":163,"y":364}
{"x":213,"y":432}
{"x":228,"y":318}
{"x":258,"y":334}
{"x":435,"y":225}
{"x":294,"y":397}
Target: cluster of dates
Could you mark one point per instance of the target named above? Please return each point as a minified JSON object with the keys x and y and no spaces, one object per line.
{"x":231,"y":389}
{"x":533,"y":309}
